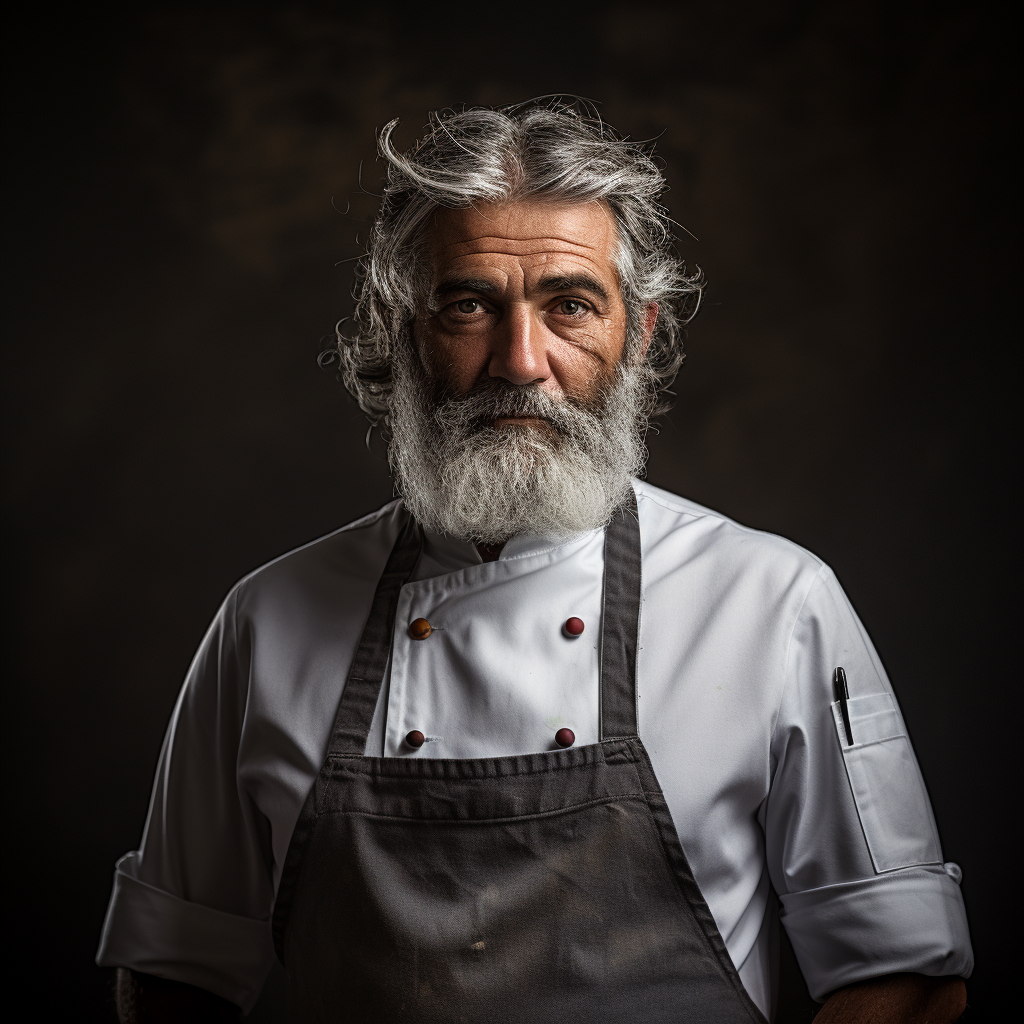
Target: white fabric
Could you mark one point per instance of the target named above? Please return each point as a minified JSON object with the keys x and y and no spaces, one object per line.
{"x":740,"y":633}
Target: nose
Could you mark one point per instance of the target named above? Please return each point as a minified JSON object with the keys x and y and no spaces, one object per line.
{"x":519,"y":351}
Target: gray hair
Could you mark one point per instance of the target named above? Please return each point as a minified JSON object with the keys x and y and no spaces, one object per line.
{"x":543,"y":149}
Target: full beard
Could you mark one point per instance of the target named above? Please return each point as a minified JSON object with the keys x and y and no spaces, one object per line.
{"x":461,"y":475}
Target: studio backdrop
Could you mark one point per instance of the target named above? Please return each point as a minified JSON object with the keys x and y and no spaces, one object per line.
{"x":194,"y":183}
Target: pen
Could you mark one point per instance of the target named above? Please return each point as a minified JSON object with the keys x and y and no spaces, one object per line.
{"x":842,"y":693}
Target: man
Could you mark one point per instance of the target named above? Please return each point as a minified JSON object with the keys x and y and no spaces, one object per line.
{"x":538,"y":741}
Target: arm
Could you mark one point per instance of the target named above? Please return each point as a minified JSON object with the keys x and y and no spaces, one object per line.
{"x":192,"y":904}
{"x":145,"y":999}
{"x":896,"y":999}
{"x":874,"y":915}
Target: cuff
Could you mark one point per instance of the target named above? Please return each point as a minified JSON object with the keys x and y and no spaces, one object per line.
{"x":155,"y":932}
{"x":909,"y":920}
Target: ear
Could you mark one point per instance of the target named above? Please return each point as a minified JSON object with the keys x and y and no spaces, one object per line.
{"x":650,"y":319}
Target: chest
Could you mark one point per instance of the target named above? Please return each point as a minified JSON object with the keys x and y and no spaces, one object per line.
{"x":499,"y":672}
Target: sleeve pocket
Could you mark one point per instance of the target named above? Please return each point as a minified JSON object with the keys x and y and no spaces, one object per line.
{"x":887,"y":787}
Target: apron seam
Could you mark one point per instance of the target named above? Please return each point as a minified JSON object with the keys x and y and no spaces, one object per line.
{"x":353,"y":759}
{"x":552,"y":813}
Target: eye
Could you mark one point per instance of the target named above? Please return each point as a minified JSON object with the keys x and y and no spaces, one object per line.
{"x":571,"y":307}
{"x":467,"y":306}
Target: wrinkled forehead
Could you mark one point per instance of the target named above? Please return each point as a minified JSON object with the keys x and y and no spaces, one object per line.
{"x":531,"y":233}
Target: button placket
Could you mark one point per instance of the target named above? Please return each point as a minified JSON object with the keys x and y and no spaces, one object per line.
{"x":397,"y":727}
{"x":515,"y":633}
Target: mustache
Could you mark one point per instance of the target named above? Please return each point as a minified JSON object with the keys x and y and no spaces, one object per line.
{"x":494,"y":398}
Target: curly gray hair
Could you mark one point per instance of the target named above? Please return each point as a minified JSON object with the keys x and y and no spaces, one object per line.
{"x":554,"y":148}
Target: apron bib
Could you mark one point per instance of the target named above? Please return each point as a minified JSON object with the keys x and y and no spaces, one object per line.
{"x":508,"y":890}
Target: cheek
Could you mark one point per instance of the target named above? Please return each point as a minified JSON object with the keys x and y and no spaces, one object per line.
{"x":585,"y":368}
{"x":581,"y":377}
{"x":455,"y":362}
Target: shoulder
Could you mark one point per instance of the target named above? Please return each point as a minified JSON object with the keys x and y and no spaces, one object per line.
{"x":336,"y":568}
{"x":741,"y":594}
{"x":679,"y":534}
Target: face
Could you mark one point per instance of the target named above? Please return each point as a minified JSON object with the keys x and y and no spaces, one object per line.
{"x":516,"y":412}
{"x":526,"y":293}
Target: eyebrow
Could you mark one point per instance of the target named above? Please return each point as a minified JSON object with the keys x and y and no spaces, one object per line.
{"x":465,"y":284}
{"x":574,"y":282}
{"x":557,"y":283}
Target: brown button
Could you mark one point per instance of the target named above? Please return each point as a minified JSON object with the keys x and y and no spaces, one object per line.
{"x":420,"y":629}
{"x":573,"y":627}
{"x":565,"y":737}
{"x":415,"y":738}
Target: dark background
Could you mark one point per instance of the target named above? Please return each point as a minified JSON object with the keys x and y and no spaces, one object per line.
{"x":183,"y":177}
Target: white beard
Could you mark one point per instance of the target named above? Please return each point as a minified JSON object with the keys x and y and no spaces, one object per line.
{"x":461,"y":476}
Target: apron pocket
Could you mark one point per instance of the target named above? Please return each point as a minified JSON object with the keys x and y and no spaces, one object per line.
{"x":887,"y":786}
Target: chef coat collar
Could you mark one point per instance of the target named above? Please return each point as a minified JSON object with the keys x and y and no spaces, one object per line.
{"x":444,"y":554}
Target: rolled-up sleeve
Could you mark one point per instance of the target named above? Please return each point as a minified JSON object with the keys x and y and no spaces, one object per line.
{"x":193,"y":903}
{"x":852,"y":847}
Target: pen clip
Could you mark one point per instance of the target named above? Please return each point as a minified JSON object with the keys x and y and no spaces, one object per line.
{"x":842,"y":695}
{"x":839,"y":687}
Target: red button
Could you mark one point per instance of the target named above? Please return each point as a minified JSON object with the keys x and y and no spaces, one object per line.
{"x":565,"y":737}
{"x":573,"y":627}
{"x":415,"y":738}
{"x":420,"y":629}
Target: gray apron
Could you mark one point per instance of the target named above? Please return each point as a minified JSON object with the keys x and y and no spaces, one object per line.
{"x":508,"y":890}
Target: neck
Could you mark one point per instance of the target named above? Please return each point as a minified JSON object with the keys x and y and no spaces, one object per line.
{"x":490,"y":552}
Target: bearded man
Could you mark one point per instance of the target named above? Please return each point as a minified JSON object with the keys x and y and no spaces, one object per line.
{"x":537,"y":741}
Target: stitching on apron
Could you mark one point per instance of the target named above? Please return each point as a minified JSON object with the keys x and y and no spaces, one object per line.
{"x":553,"y":813}
{"x":356,"y":764}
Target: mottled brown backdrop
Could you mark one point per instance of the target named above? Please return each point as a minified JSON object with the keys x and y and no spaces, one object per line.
{"x":188,"y":193}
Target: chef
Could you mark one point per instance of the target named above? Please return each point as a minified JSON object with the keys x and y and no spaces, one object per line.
{"x":536,"y":741}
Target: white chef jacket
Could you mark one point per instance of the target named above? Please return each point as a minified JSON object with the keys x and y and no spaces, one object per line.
{"x":740,"y":633}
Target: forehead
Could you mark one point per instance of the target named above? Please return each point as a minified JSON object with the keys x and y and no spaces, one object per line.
{"x":531,"y":233}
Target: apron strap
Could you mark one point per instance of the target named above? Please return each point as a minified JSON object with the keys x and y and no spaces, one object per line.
{"x":620,"y":622}
{"x":362,"y":687}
